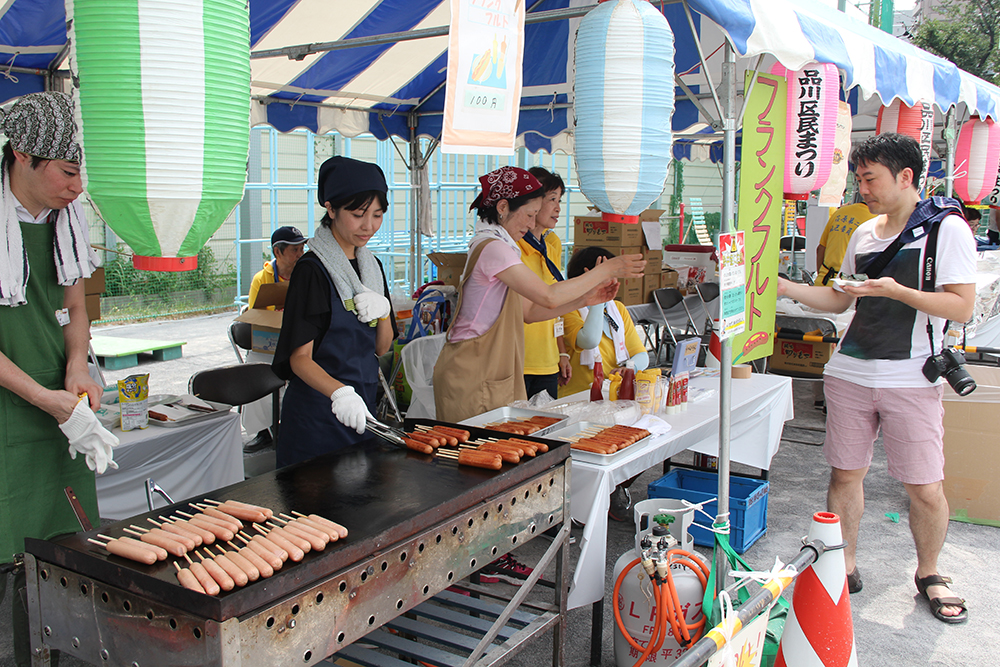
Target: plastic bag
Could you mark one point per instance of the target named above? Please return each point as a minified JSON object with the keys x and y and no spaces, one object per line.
{"x":599,"y":412}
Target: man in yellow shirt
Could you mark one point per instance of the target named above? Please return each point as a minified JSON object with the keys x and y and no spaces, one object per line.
{"x":546,"y":363}
{"x":287,"y":245}
{"x":833,"y":243}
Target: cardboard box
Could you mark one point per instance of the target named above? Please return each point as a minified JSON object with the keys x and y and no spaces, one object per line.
{"x":649,"y":285}
{"x":93,"y":302}
{"x":450,"y":266}
{"x":654,"y":261}
{"x":630,"y":292}
{"x":95,"y":283}
{"x":972,"y":459}
{"x":798,"y":356}
{"x":613,"y":249}
{"x":265,"y":325}
{"x":592,"y":230}
{"x":687,"y":255}
{"x":668,"y":278}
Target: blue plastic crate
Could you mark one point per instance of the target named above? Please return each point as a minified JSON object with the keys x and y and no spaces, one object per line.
{"x":747,"y":504}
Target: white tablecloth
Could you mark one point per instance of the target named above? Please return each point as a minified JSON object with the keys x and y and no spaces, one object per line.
{"x":760,"y":406}
{"x":186,"y":461}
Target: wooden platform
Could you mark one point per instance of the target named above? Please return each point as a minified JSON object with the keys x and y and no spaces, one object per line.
{"x":118,"y":353}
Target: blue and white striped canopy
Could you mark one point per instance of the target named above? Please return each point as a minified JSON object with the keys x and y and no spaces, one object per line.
{"x":373,"y":88}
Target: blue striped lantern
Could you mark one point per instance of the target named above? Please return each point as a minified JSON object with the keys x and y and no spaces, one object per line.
{"x":624,"y":88}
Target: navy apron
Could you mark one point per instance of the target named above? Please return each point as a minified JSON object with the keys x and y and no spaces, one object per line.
{"x":347,"y":353}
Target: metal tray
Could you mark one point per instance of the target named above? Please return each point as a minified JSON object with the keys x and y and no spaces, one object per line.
{"x":195,"y":416}
{"x":592,"y":457}
{"x":507,"y":414}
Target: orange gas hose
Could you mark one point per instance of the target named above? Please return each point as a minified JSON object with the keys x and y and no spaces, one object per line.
{"x":668,"y":607}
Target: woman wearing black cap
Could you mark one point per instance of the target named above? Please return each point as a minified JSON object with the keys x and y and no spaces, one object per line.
{"x":482,"y":364}
{"x":337,"y":318}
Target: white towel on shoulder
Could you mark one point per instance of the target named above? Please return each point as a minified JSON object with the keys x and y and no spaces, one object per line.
{"x":74,"y":258}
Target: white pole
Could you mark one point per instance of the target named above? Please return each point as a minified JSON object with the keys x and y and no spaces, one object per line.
{"x":726,"y":362}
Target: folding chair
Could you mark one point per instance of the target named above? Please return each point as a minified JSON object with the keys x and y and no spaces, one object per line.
{"x":419,"y":357}
{"x":240,"y":337}
{"x":239,"y":385}
{"x":667,"y":298}
{"x":707,"y":292}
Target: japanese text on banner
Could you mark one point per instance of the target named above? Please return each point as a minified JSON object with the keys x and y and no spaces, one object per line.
{"x":483,"y":91}
{"x":762,"y":173}
{"x":732,"y":285}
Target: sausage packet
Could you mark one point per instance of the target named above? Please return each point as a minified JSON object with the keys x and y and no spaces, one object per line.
{"x":133,"y":401}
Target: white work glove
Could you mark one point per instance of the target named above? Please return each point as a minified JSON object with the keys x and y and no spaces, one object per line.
{"x":87,"y":436}
{"x":370,"y":305}
{"x":349,"y":408}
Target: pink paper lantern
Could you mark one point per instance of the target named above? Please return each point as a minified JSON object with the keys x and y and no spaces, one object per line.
{"x":993,"y":199}
{"x":977,"y":157}
{"x":810,"y":126}
{"x":916,"y":121}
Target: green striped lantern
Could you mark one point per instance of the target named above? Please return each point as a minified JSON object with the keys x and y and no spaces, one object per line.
{"x":162,"y":90}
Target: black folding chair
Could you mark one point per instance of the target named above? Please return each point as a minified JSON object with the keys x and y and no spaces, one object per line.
{"x":241,"y":338}
{"x":239,"y":385}
{"x":667,"y":298}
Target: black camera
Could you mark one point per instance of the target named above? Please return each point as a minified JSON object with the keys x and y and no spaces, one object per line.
{"x":950,"y":364}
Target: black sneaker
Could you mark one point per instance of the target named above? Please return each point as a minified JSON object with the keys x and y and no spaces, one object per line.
{"x":261,"y":441}
{"x":621,"y":504}
{"x":507,"y":569}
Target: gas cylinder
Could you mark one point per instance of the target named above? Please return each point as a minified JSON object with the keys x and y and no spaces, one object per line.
{"x":634,"y":600}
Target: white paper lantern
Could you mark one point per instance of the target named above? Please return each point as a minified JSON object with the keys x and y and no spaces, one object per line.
{"x":624,"y":100}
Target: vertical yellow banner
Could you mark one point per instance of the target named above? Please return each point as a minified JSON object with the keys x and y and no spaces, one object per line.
{"x":759,"y":214}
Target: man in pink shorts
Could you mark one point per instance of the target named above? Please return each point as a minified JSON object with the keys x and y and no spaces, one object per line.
{"x":874,"y":381}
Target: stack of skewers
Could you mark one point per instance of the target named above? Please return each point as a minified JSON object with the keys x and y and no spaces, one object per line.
{"x":456,"y":444}
{"x":522,"y":426}
{"x":606,"y":440}
{"x":253,"y":553}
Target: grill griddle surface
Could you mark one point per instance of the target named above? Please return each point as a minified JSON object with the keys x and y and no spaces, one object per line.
{"x":380,"y":493}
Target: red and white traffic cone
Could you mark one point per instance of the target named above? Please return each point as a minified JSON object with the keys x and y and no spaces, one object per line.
{"x":819,"y":631}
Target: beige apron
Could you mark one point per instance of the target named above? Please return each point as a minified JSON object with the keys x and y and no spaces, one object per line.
{"x":479,"y":374}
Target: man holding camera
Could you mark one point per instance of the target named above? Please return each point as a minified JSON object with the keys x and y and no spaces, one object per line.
{"x":885,"y":372}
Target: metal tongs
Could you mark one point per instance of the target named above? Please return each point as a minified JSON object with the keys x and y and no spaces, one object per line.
{"x":386,"y":432}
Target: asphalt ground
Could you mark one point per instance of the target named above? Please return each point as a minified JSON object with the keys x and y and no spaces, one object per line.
{"x":892,"y":624}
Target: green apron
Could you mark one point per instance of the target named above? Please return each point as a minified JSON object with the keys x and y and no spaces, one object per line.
{"x":34,"y":455}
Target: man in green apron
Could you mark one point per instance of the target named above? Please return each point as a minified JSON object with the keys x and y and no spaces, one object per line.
{"x":44,"y":336}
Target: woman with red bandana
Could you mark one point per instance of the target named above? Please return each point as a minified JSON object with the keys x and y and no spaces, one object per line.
{"x":482,"y":364}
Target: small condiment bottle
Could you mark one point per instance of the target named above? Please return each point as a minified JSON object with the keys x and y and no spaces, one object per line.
{"x":597,"y":388}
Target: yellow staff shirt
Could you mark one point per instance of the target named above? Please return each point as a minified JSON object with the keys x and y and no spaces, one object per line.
{"x":541,"y":354}
{"x":583,"y":377}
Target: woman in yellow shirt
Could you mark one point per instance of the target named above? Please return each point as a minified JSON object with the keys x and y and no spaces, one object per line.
{"x":546,"y":362}
{"x":602,"y":332}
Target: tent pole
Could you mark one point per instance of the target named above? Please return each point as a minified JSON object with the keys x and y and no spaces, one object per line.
{"x":949,"y":159}
{"x":415,"y":251}
{"x":726,"y":362}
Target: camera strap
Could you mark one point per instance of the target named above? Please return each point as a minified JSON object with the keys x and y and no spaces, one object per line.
{"x":928,"y":276}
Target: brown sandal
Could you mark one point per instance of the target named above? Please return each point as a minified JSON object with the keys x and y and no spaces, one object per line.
{"x":937,"y":603}
{"x":854,"y":583}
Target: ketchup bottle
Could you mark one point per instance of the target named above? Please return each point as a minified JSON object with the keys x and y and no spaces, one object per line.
{"x":596,"y":393}
{"x":627,"y":391}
